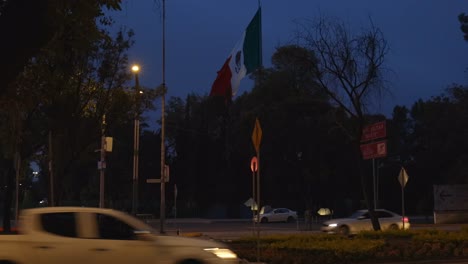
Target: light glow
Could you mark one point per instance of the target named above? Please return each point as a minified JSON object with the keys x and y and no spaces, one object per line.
{"x":135,"y":68}
{"x":333,"y":225}
{"x":222,"y":253}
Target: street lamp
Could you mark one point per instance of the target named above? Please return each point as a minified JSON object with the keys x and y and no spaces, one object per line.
{"x":135,"y":69}
{"x":136,"y":140}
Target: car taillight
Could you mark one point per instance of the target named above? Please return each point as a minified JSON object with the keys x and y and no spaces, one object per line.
{"x":405,"y":219}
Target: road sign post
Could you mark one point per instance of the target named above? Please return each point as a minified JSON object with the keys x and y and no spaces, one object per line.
{"x":165,"y":178}
{"x":374,"y":149}
{"x":256,"y":140}
{"x":254,"y":169}
{"x":403,"y":179}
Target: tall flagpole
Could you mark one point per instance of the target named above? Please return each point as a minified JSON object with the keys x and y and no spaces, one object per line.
{"x":258,"y":150}
{"x":260,"y":36}
{"x":162,"y":211}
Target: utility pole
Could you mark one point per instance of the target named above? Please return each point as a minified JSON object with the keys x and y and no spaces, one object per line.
{"x":17,"y":160}
{"x":51,"y":171}
{"x":102,"y":162}
{"x":17,"y":171}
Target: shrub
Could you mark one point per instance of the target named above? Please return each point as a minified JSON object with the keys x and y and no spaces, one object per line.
{"x":369,"y":246}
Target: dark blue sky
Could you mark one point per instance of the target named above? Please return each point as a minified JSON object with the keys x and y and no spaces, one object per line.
{"x":427,"y":50}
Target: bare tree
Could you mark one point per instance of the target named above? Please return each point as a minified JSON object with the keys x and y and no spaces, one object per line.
{"x":350,"y":71}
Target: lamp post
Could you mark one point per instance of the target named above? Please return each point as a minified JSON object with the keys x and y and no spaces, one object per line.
{"x":136,"y":140}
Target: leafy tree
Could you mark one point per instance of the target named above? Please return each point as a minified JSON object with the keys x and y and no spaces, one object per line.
{"x":20,"y":126}
{"x":195,"y":135}
{"x":81,"y":74}
{"x":211,"y":150}
{"x":463,"y":19}
{"x":429,"y":141}
{"x":439,"y":126}
{"x":30,"y":25}
{"x":298,"y":135}
{"x":67,"y":87}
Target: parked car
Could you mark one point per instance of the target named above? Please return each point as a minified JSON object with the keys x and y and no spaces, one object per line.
{"x":278,"y":215}
{"x":360,"y":221}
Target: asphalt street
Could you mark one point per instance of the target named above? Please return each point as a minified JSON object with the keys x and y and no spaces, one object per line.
{"x":235,"y":228}
{"x":229,"y":229}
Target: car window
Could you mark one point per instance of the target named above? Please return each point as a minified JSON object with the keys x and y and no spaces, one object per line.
{"x":365,"y":216}
{"x":61,"y":224}
{"x":383,"y":214}
{"x":356,"y":214}
{"x":112,"y":228}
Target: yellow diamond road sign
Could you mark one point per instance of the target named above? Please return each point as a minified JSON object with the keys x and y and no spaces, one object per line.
{"x":403,"y":177}
{"x":257,"y":135}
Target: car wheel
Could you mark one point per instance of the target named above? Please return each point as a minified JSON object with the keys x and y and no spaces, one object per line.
{"x":264,"y":220}
{"x":343,"y":230}
{"x":290,"y":219}
{"x":393,"y":227}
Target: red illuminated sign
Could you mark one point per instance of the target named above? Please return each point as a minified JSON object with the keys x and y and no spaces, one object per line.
{"x":374,"y":131}
{"x":374,"y":150}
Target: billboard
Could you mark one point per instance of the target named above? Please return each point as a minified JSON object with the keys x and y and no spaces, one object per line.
{"x":451,"y":197}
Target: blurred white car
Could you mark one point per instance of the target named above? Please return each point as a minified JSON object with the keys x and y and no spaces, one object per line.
{"x":360,"y":221}
{"x":85,"y":235}
{"x":278,"y":215}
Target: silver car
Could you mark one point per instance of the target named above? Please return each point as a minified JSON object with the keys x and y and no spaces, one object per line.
{"x":278,"y":215}
{"x":360,"y":221}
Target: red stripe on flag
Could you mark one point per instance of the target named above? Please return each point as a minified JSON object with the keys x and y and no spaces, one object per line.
{"x":222,"y":84}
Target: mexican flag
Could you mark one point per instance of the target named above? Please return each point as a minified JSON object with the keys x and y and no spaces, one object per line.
{"x":244,"y":59}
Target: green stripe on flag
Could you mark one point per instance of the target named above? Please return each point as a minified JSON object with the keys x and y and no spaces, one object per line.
{"x":252,"y":42}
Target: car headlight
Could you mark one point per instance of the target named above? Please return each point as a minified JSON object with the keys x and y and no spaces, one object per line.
{"x":333,"y":225}
{"x":223,"y":253}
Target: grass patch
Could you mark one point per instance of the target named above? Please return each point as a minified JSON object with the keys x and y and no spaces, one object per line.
{"x":366,"y":247}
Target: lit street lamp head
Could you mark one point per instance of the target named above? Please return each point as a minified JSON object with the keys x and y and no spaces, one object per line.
{"x":135,"y":68}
